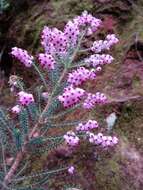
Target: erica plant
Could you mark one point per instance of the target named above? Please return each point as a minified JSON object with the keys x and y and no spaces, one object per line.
{"x":60,"y":91}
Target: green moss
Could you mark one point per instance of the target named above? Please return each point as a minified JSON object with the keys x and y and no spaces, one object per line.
{"x":72,"y":7}
{"x":108,"y":174}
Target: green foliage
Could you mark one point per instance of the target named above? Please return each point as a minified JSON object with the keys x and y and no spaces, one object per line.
{"x":1,"y":175}
{"x":54,"y":75}
{"x":3,"y":119}
{"x":18,"y":138}
{"x":55,"y":106}
{"x":33,"y":112}
{"x":24,"y":121}
{"x":38,"y":92}
{"x":5,"y":126}
{"x":36,"y":141}
{"x":4,"y":4}
{"x":48,"y":144}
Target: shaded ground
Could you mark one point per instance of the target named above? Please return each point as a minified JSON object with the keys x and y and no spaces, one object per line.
{"x":122,"y":168}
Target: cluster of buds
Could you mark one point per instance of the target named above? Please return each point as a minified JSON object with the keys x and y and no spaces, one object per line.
{"x":25,"y":98}
{"x":100,"y":139}
{"x":16,"y":109}
{"x":22,"y":56}
{"x":99,"y":59}
{"x":71,"y":139}
{"x":53,"y":41}
{"x":88,"y":21}
{"x":71,"y":32}
{"x":71,"y":96}
{"x":106,"y":44}
{"x":93,"y":99}
{"x":46,"y":61}
{"x":89,"y":125}
{"x":81,"y":75}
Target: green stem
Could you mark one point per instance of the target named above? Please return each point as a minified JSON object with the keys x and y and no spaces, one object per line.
{"x":48,"y":104}
{"x":40,"y":75}
{"x":54,"y":90}
{"x":75,"y":66}
{"x":84,"y":50}
{"x":76,"y":50}
{"x":3,"y":156}
{"x":64,"y":112}
{"x":20,"y":85}
{"x":39,"y":174}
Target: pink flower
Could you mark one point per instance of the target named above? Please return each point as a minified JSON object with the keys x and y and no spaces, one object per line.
{"x":71,"y":32}
{"x":99,"y":59}
{"x":93,"y":99}
{"x":106,"y":44}
{"x":16,"y":109}
{"x":71,"y":96}
{"x":115,"y":140}
{"x":71,"y":170}
{"x":46,"y":61}
{"x":100,"y":139}
{"x":112,"y":39}
{"x":71,"y":139}
{"x":89,"y":125}
{"x":100,"y":45}
{"x":25,"y":98}
{"x":80,"y":75}
{"x":87,"y":20}
{"x":45,"y":40}
{"x":98,"y":69}
{"x":53,"y":40}
{"x":22,"y":56}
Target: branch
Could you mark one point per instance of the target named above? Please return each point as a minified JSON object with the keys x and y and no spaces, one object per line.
{"x":120,"y":100}
{"x":3,"y":156}
{"x":21,"y":153}
{"x":39,"y":174}
{"x":14,"y":166}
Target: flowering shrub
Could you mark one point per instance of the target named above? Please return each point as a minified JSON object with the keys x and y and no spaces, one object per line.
{"x":59,"y":93}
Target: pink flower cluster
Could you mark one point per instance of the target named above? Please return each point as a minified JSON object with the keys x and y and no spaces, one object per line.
{"x":88,"y":21}
{"x":71,"y":139}
{"x":71,"y":96}
{"x":99,"y":59}
{"x":71,"y":32}
{"x":100,"y":139}
{"x":106,"y":44}
{"x":56,"y":41}
{"x":22,"y":56}
{"x":53,"y":40}
{"x":89,"y":125}
{"x":93,"y":99}
{"x":80,"y":75}
{"x":25,"y":98}
{"x":46,"y":61}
